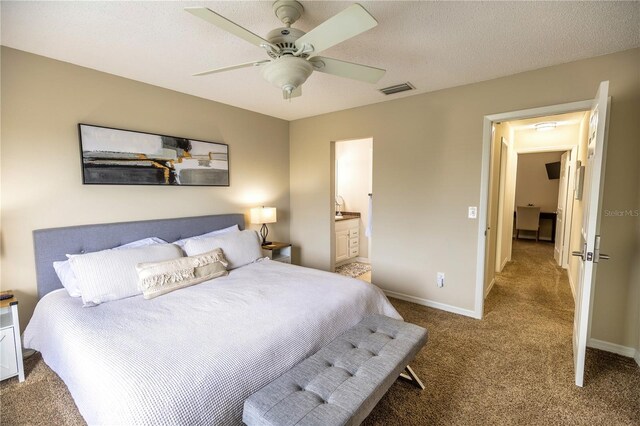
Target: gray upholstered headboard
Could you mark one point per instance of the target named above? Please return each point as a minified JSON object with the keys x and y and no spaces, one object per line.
{"x":53,"y":244}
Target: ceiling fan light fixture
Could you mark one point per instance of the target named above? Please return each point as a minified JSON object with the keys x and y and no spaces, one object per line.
{"x":290,"y":48}
{"x":287,"y":73}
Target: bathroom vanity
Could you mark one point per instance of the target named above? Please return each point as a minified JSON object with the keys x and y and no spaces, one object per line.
{"x":347,"y":237}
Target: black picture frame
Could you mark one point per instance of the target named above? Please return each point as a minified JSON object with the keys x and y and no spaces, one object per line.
{"x":113,"y":156}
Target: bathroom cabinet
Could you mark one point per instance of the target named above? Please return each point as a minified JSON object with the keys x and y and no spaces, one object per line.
{"x":347,"y":239}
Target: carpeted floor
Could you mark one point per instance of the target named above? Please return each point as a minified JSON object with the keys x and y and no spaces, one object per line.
{"x":515,"y":367}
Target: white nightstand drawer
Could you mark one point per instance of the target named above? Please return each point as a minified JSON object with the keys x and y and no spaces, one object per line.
{"x":8,"y":360}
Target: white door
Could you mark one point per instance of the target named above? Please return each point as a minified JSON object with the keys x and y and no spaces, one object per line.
{"x":590,"y":251}
{"x":560,"y":211}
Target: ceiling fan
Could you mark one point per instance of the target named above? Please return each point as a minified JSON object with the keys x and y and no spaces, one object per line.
{"x":292,"y":51}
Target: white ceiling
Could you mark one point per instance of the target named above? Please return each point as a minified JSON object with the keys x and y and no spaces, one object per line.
{"x":433,"y":45}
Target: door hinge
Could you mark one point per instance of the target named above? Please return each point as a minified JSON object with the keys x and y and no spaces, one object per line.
{"x":590,"y":256}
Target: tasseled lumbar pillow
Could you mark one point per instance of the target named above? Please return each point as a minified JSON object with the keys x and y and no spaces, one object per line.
{"x":158,"y":278}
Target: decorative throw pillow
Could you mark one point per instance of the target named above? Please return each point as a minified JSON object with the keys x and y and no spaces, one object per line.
{"x":158,"y":278}
{"x":70,"y":281}
{"x":239,"y":248}
{"x":184,"y":241}
{"x":111,"y":274}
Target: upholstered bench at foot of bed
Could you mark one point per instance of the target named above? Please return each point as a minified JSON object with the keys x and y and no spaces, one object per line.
{"x":343,"y":381}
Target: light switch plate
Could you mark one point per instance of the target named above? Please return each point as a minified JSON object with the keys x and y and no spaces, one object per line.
{"x":473,"y":212}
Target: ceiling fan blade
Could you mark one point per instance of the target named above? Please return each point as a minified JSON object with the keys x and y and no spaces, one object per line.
{"x":347,"y":69}
{"x":227,"y":25}
{"x":233,"y":67}
{"x":349,"y":23}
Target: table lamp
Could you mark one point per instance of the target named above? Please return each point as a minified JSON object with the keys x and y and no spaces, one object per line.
{"x":263,"y":215}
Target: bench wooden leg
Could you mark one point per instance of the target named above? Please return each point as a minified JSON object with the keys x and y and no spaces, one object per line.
{"x":411,"y":376}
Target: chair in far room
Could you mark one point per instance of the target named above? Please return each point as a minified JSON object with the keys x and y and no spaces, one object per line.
{"x":528,"y":219}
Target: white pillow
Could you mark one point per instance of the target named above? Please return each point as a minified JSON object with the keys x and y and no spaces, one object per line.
{"x":184,"y":241}
{"x":69,"y":280}
{"x":239,"y":248}
{"x":111,"y":274}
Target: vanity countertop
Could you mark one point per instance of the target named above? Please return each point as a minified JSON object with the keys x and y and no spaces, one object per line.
{"x":348,"y":215}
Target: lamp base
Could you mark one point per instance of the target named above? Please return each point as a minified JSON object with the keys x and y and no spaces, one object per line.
{"x":264,"y":231}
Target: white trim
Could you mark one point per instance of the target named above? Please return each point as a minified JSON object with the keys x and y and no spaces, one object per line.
{"x":486,"y":293}
{"x":542,"y":111}
{"x":487,"y":136}
{"x":550,"y":148}
{"x":637,"y":357}
{"x":431,"y":304}
{"x":363,"y":260}
{"x":612,"y":347}
{"x":484,"y":180}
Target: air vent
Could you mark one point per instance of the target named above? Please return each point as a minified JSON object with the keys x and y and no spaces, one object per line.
{"x":397,"y":88}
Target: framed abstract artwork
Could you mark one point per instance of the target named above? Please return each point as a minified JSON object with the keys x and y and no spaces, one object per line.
{"x":124,"y":157}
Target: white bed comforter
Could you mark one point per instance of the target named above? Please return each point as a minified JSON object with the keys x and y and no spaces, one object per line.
{"x":194,"y":355}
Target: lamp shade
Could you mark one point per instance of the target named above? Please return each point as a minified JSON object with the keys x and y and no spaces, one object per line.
{"x":263,"y":215}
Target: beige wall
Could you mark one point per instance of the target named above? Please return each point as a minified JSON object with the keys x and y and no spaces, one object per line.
{"x":427,"y":163}
{"x":353,"y":182}
{"x":43,"y":101}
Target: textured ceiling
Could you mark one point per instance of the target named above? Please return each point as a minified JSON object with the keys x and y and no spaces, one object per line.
{"x":434,"y":45}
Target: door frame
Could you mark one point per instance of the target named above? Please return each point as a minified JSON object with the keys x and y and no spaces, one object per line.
{"x":488,"y":121}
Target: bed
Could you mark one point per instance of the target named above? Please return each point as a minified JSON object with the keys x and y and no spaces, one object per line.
{"x":194,"y":355}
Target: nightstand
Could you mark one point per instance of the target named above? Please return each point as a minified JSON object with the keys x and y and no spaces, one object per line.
{"x":280,"y":252}
{"x":10,"y":344}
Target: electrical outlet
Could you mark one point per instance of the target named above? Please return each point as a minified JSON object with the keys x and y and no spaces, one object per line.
{"x":473,"y":212}
{"x":440,"y":279}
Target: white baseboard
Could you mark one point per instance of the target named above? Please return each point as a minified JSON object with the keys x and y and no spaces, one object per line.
{"x":486,"y":293}
{"x":363,"y":260}
{"x":431,"y":304}
{"x":613,"y":347}
{"x":637,"y":357}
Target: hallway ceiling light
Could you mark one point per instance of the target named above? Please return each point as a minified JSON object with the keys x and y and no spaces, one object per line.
{"x":546,"y":126}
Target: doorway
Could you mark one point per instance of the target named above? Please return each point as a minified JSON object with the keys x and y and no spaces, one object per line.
{"x":353,"y":195}
{"x":530,"y":167}
{"x":588,"y":190}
